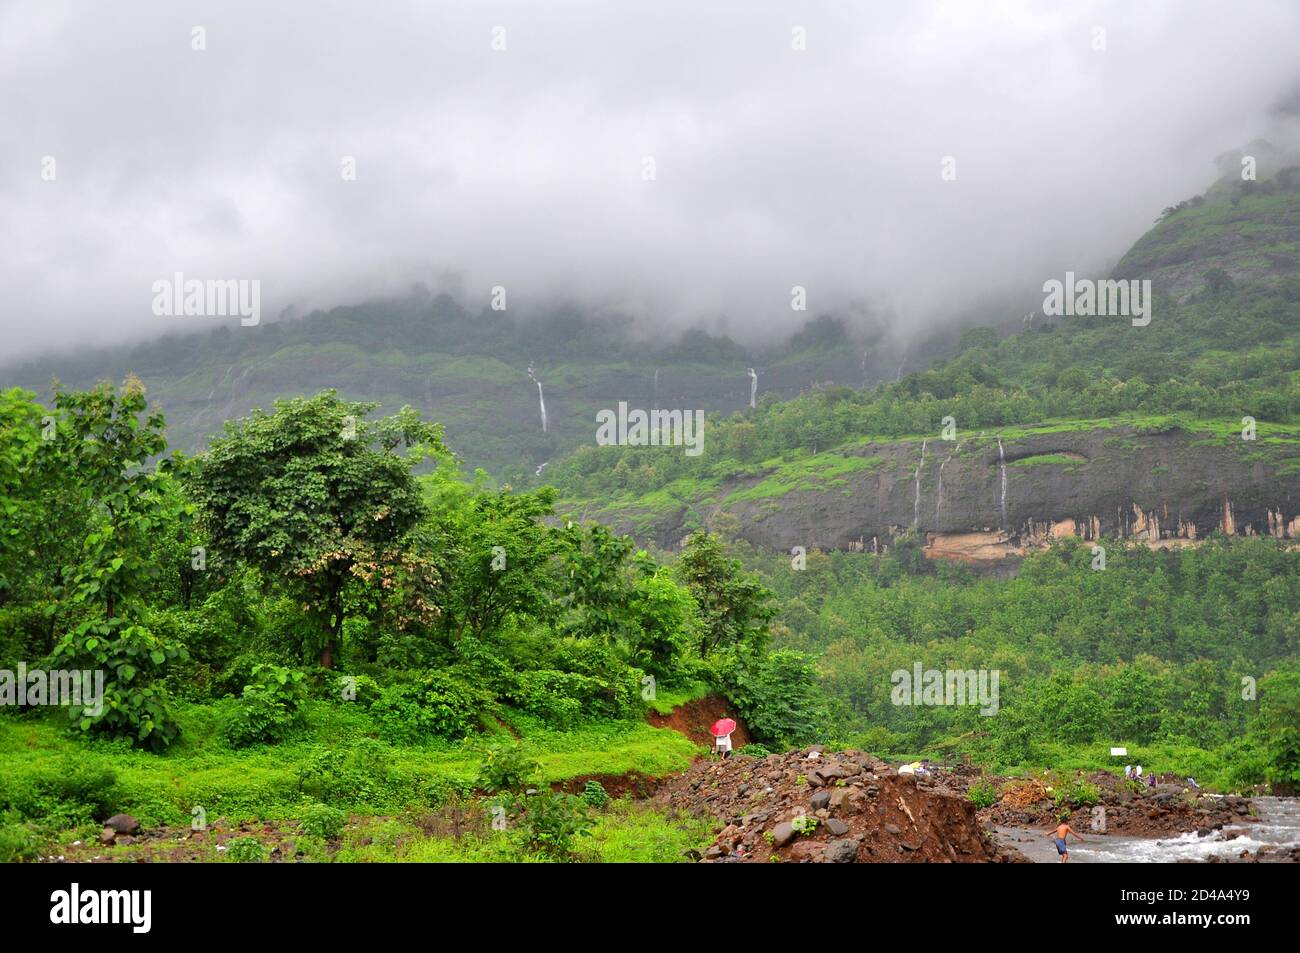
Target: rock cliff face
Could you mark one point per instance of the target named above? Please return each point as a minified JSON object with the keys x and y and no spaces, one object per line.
{"x":983,"y":498}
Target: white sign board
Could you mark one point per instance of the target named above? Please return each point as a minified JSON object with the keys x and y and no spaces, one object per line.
{"x":1118,"y":752}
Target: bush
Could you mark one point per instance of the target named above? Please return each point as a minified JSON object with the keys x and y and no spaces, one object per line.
{"x":134,"y":706}
{"x":70,"y":792}
{"x":1076,"y":793}
{"x":754,"y":750}
{"x":360,"y":774}
{"x":983,"y":794}
{"x":444,"y":704}
{"x":323,"y":821}
{"x":778,"y":695}
{"x":18,"y":842}
{"x":551,"y":822}
{"x":505,"y":768}
{"x":595,"y":795}
{"x":245,"y":850}
{"x":270,"y":707}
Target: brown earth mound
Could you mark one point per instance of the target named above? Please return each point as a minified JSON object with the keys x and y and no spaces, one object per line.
{"x":1131,"y":810}
{"x":843,"y":807}
{"x":696,"y":717}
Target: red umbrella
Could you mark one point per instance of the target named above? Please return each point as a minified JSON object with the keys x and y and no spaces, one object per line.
{"x":723,"y":726}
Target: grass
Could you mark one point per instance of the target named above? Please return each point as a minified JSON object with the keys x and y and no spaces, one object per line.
{"x":264,"y":782}
{"x":623,"y":832}
{"x":666,"y":699}
{"x":1050,"y":459}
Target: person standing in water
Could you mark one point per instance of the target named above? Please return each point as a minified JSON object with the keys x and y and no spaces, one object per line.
{"x":1061,"y":832}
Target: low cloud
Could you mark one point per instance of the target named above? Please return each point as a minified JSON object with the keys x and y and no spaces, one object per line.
{"x":525,"y":167}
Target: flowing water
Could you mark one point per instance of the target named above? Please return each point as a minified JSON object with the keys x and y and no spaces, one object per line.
{"x":916,"y":502}
{"x":753,"y":386}
{"x":1002,"y":465}
{"x":1278,"y":825}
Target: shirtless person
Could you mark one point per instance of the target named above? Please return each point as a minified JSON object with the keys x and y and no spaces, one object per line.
{"x":1062,"y":831}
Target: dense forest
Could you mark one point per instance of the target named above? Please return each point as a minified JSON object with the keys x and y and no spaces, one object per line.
{"x":318,"y":568}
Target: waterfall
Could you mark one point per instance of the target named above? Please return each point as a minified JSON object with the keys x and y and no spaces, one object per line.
{"x":753,"y":386}
{"x":654,"y":399}
{"x":1002,"y":465}
{"x":916,"y":501}
{"x":538,"y":471}
{"x":541,"y":400}
{"x":938,"y":503}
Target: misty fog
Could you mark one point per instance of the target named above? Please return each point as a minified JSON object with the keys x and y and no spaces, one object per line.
{"x":789,"y":144}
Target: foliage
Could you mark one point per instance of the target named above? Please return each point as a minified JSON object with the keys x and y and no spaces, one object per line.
{"x":132,"y":662}
{"x":1076,"y":793}
{"x":804,"y":824}
{"x":505,"y":767}
{"x":317,"y":497}
{"x":982,"y":794}
{"x":245,"y":850}
{"x":594,"y":794}
{"x":269,"y":708}
{"x":323,"y":821}
{"x":552,"y":820}
{"x":432,"y":704}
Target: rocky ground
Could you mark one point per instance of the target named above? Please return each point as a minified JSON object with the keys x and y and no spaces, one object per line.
{"x":1129,"y":809}
{"x":812,"y":806}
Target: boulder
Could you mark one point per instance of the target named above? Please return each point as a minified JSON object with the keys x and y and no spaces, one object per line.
{"x":841,"y":851}
{"x":123,"y":823}
{"x":783,"y":833}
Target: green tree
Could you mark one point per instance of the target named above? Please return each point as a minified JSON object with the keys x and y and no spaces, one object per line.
{"x":317,"y":497}
{"x":735,"y":608}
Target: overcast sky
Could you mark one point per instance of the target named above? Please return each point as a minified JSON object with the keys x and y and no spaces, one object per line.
{"x":524,"y":167}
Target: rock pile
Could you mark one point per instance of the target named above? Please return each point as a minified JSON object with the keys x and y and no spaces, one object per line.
{"x":812,"y":806}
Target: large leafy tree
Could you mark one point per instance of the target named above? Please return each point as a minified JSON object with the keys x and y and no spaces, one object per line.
{"x":492,"y":552}
{"x":96,"y":449}
{"x":735,"y":607}
{"x":318,"y":497}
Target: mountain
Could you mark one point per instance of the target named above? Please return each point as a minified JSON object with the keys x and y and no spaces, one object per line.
{"x":1083,"y":426}
{"x":477,"y":373}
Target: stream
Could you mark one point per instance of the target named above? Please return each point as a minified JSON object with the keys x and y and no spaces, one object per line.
{"x":1278,"y":825}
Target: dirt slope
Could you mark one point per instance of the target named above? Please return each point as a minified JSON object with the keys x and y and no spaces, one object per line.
{"x":696,"y":717}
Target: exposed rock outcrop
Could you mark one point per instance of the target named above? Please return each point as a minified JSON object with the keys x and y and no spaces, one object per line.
{"x":992,"y":497}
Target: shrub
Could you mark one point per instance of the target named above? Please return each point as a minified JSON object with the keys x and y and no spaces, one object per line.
{"x":778,"y":696}
{"x":18,"y":842}
{"x":505,"y":768}
{"x":444,"y":704}
{"x":134,"y":706}
{"x":982,"y":794}
{"x":1076,"y":793}
{"x":323,"y":821}
{"x":754,"y":750}
{"x":245,"y":850}
{"x":551,"y":822}
{"x":595,"y":795}
{"x":270,"y":707}
{"x":69,"y":792}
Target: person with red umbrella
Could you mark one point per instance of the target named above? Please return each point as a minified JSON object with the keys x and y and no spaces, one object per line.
{"x":721,"y":731}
